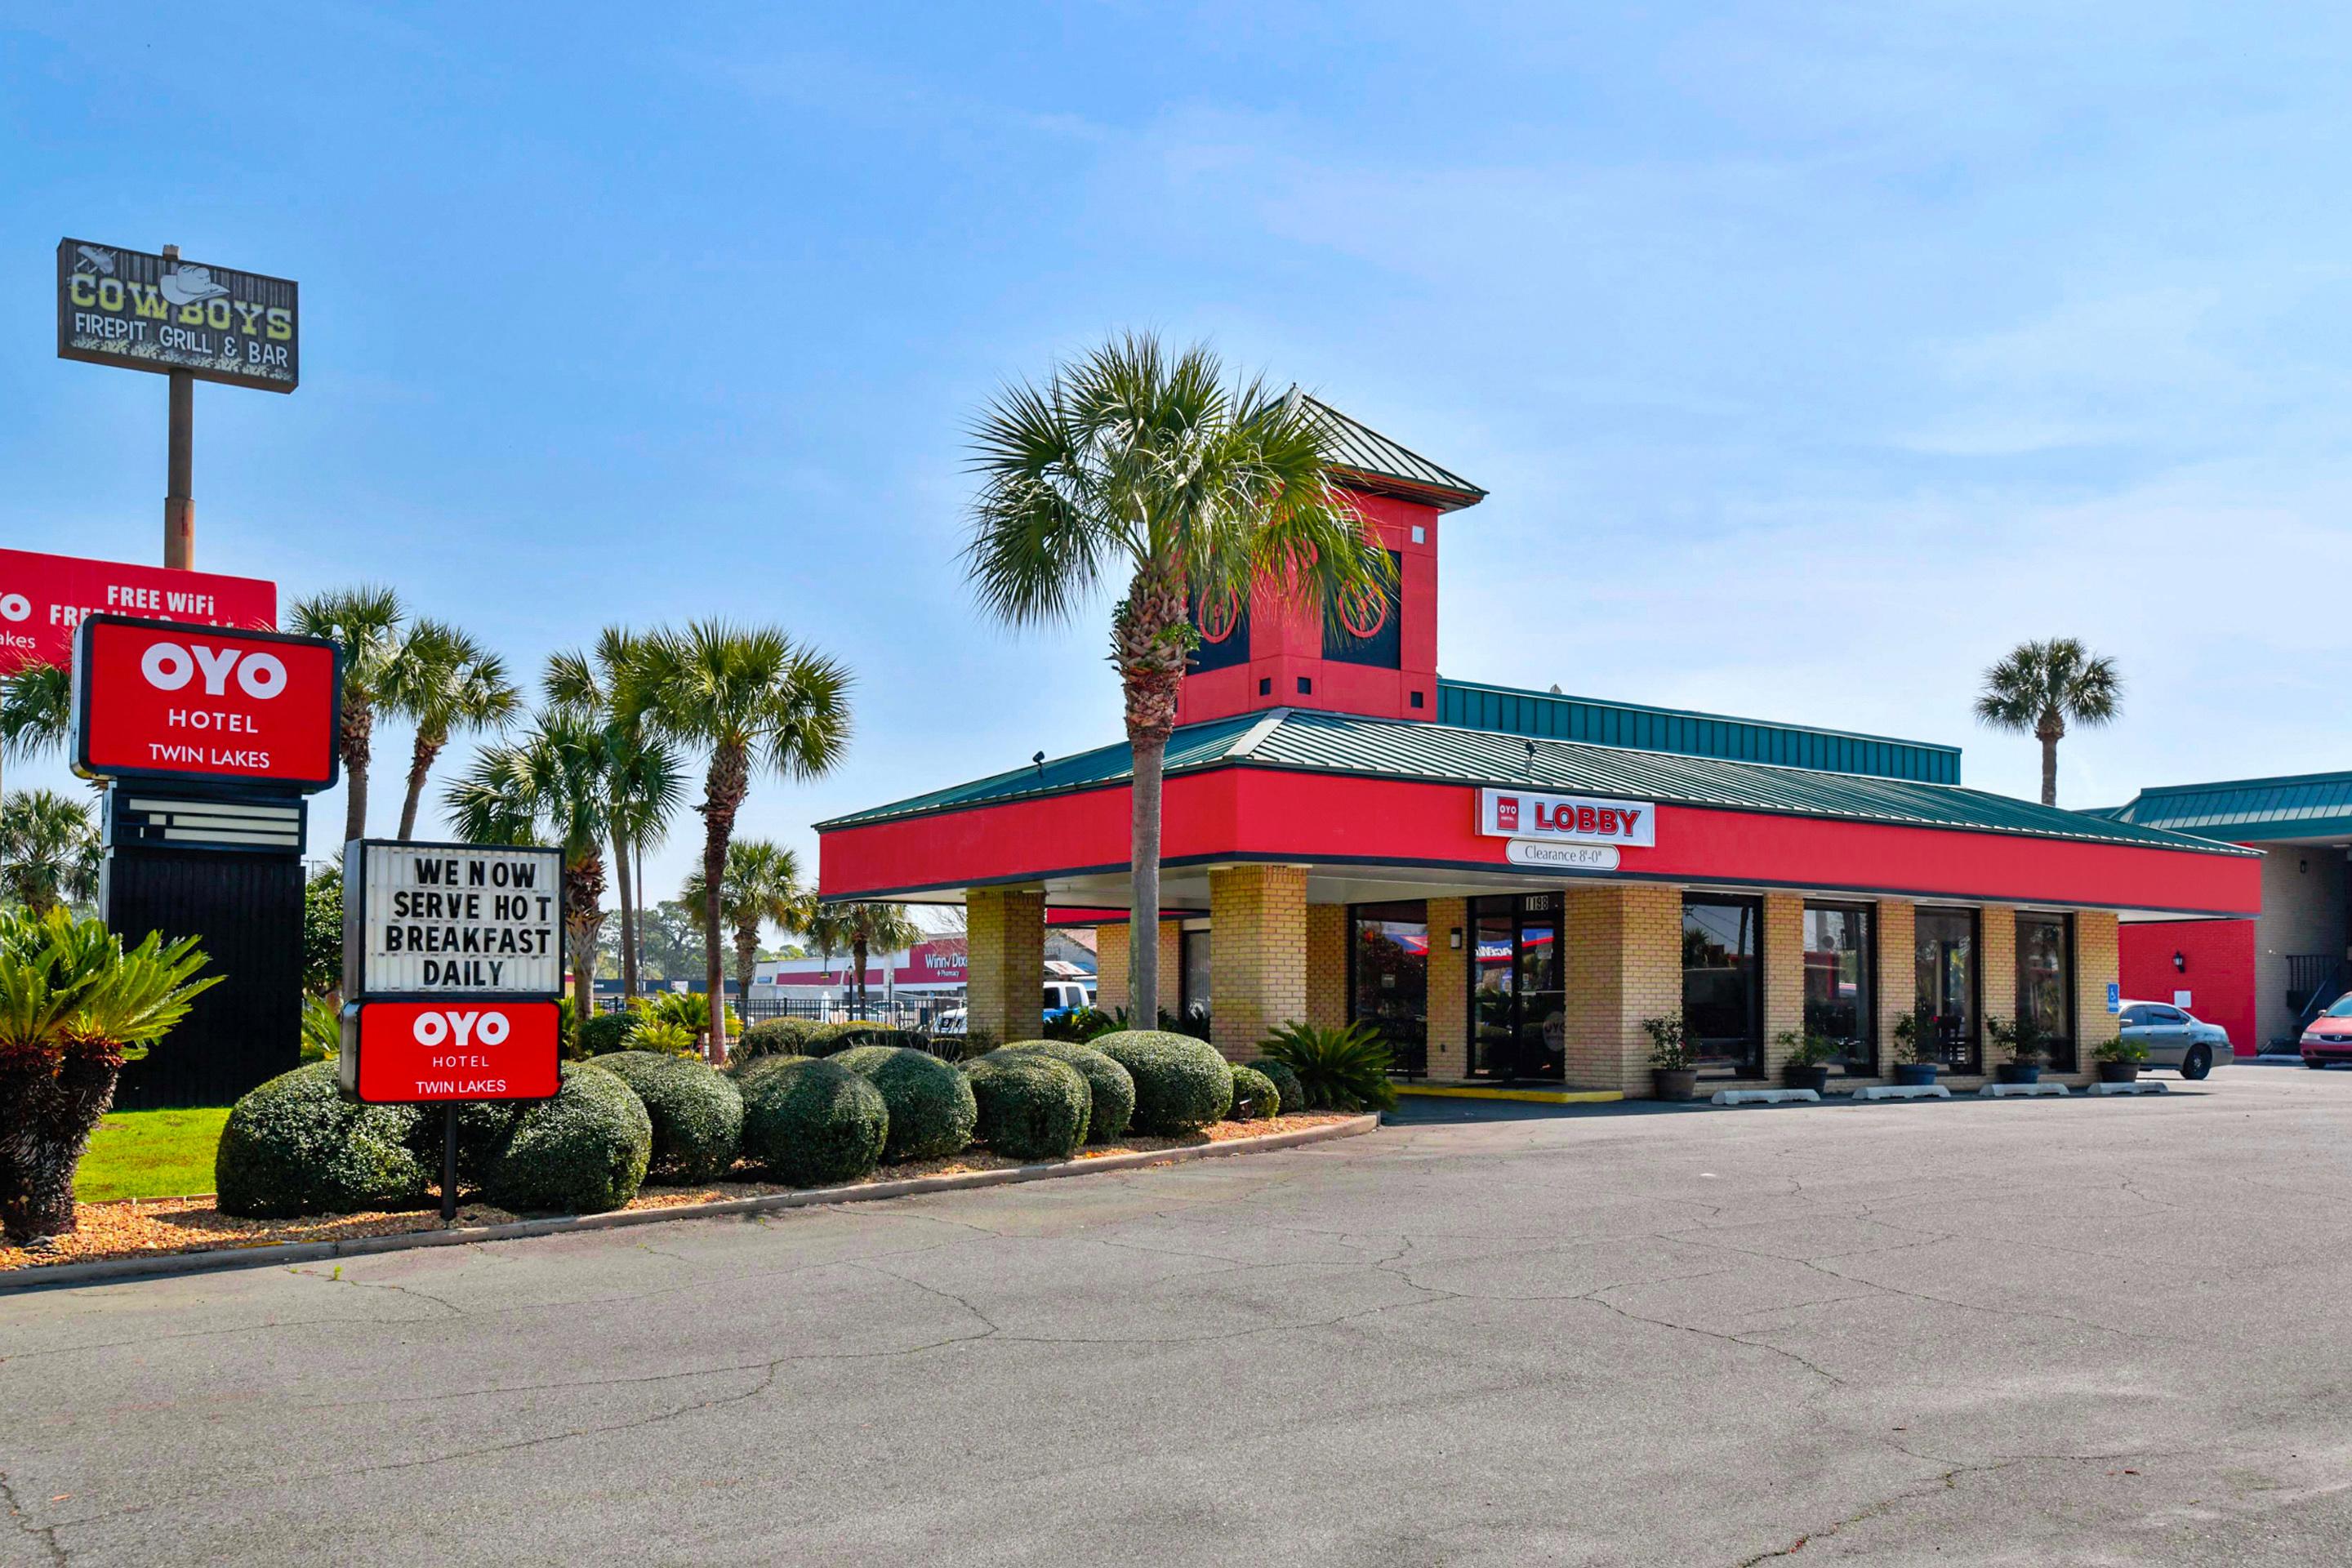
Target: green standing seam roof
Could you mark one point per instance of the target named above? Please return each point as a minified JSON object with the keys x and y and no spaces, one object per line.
{"x":2299,"y":806}
{"x":1359,"y":449}
{"x":1445,"y":753}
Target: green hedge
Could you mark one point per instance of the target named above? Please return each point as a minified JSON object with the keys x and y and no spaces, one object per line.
{"x":1110,"y":1088}
{"x":607,"y":1033}
{"x":296,"y":1146}
{"x":697,"y":1113}
{"x":1256,"y":1099}
{"x":583,"y":1152}
{"x":932,"y":1108}
{"x":1181,"y":1084}
{"x":1031,"y":1107}
{"x":774,"y":1037}
{"x":1285,"y":1084}
{"x":813,"y":1123}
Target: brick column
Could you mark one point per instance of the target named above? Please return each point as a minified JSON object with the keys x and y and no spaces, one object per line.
{"x":1257,"y":953}
{"x":1004,"y":938}
{"x":1449,"y":989}
{"x":2095,"y":965}
{"x":1898,"y":972}
{"x":1622,"y":963}
{"x":1996,"y":974}
{"x":1327,"y":964}
{"x":1784,"y":977}
{"x":1111,"y":964}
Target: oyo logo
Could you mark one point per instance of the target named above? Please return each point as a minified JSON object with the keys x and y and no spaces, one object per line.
{"x":168,"y":667}
{"x":16,"y":607}
{"x":439,"y":1028}
{"x":1507,"y":813}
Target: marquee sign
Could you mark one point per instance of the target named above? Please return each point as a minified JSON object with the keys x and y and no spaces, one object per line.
{"x":452,"y":921}
{"x":410,"y":1053}
{"x":155,"y":699}
{"x":1567,"y":818}
{"x":144,"y":312}
{"x":44,"y":597}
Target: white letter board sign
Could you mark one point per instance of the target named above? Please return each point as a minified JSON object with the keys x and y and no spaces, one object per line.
{"x":451,"y":920}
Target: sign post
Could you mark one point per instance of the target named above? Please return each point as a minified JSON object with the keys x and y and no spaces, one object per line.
{"x":453,"y":962}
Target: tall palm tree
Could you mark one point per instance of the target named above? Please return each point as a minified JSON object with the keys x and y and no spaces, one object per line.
{"x":753,"y":699}
{"x":2040,"y":686}
{"x":549,"y":787}
{"x":860,"y":928}
{"x":443,"y":681}
{"x":366,"y":621}
{"x":762,"y":887}
{"x":36,"y":711}
{"x":1147,"y":473}
{"x":50,"y":850}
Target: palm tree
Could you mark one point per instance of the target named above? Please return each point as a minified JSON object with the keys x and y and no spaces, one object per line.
{"x":444,"y":681}
{"x":36,"y":711}
{"x":861,"y":928}
{"x":550,"y":787}
{"x":50,"y":850}
{"x":2040,"y":686}
{"x":763,"y":886}
{"x":753,"y":698}
{"x":366,"y":621}
{"x":1132,"y":470}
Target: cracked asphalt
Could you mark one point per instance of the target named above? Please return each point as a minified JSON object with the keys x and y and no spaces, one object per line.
{"x":2011,"y":1332}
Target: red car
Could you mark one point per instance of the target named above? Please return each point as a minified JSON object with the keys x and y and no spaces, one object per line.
{"x":2329,"y":1038}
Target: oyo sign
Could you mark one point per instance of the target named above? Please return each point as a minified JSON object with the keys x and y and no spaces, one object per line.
{"x":43,"y":598}
{"x":409,"y":1053}
{"x":155,"y":699}
{"x":1567,"y":818}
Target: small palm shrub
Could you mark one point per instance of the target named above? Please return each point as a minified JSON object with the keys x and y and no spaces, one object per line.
{"x":608,"y":1032}
{"x":1293,"y":1093}
{"x":1255,"y":1097}
{"x":812,"y":1122}
{"x":690,"y":1010}
{"x":659,"y":1036}
{"x":583,"y":1152}
{"x":697,"y":1113}
{"x":1338,"y":1070}
{"x":322,"y":1030}
{"x":1031,"y":1107}
{"x":1110,"y":1088}
{"x":1181,"y":1084}
{"x":930,"y":1102}
{"x":294,"y":1145}
{"x":1080,"y":1025}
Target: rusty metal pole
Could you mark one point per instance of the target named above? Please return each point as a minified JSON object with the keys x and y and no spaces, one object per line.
{"x":179,"y":504}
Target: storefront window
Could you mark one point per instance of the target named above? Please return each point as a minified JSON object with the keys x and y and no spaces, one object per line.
{"x":1840,"y":1000}
{"x":1519,"y":1007}
{"x":1389,"y":961}
{"x":2045,"y":984}
{"x":1192,"y":971}
{"x":1948,"y":986}
{"x":1722,"y":990}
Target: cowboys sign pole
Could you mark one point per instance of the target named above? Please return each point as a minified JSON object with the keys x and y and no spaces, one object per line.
{"x":191,"y":322}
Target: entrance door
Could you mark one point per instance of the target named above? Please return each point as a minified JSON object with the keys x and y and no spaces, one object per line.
{"x":1518,"y":1002}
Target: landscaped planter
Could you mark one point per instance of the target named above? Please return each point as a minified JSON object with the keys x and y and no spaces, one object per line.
{"x":1916,"y":1075}
{"x":1816,"y":1079}
{"x":1669,"y":1083}
{"x":2018,"y":1072}
{"x":2119,"y":1072}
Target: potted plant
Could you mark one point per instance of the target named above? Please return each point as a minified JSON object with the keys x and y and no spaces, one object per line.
{"x":2023,"y":1040}
{"x":1672,"y":1076}
{"x":1915,"y":1049}
{"x":2119,"y":1061}
{"x":1809,"y":1058}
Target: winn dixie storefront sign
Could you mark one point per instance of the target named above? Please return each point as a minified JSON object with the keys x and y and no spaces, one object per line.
{"x":453,"y":919}
{"x":145,"y":311}
{"x":1520,"y":814}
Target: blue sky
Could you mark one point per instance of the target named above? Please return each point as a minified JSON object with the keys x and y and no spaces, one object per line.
{"x":1813,"y":355}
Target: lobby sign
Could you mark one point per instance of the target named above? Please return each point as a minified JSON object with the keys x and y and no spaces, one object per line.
{"x":1559,"y":856}
{"x":145,"y":311}
{"x":1567,"y":818}
{"x":155,"y":699}
{"x":43,"y":598}
{"x":414,"y":1053}
{"x":430,"y":921}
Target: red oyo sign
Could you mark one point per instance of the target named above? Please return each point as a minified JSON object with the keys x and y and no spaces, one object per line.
{"x":408,"y":1053}
{"x":158,"y":699}
{"x":44,"y":597}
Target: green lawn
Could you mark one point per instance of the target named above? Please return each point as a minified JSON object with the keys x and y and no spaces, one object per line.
{"x":151,"y":1154}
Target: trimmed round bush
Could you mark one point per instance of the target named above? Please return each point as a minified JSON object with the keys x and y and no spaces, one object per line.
{"x":1285,"y":1084}
{"x":812,"y":1122}
{"x":828,"y":1039}
{"x":772,"y":1037}
{"x":607,"y":1032}
{"x":932,"y":1108}
{"x":1110,"y":1088}
{"x":1255,"y":1097}
{"x":1031,"y":1107}
{"x":1181,"y":1084}
{"x":295,"y":1146}
{"x":697,"y":1114}
{"x":583,"y":1152}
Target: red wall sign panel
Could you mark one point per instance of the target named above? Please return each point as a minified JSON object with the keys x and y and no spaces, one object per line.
{"x":412,"y":1052}
{"x":153,"y":697}
{"x":44,"y":597}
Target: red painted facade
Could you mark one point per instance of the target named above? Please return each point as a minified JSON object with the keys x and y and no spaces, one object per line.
{"x":2217,"y":969}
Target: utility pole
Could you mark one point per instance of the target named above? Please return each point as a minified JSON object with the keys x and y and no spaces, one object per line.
{"x":179,"y":504}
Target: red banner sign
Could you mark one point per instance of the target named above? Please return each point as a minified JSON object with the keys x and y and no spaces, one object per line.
{"x":152,"y":698}
{"x":44,"y":597}
{"x":406,"y":1053}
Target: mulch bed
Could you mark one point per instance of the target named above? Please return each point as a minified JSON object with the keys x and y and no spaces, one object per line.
{"x":138,"y":1227}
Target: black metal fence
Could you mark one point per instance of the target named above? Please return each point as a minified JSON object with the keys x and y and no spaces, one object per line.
{"x":926,"y":1014}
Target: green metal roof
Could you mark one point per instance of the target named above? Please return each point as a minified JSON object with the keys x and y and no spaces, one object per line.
{"x":1446,"y":754}
{"x":1550,"y":715}
{"x":1360,"y":449}
{"x":2250,"y":811}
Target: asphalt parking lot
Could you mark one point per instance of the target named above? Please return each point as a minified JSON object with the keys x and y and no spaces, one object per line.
{"x":2014,"y":1333}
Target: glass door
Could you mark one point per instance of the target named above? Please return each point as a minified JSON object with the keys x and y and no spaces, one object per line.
{"x":1518,"y":1000}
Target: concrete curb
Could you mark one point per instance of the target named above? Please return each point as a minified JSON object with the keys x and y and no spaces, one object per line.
{"x":272,"y":1255}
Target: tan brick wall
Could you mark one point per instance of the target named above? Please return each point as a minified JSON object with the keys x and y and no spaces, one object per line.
{"x":1622,"y":964}
{"x":1784,"y":977}
{"x":1997,"y":983}
{"x":1171,"y":965}
{"x":1257,"y":953}
{"x":1112,"y":961}
{"x":1327,"y":964}
{"x":1899,"y":974}
{"x":1449,"y":989}
{"x":2095,"y":965}
{"x":1004,"y":932}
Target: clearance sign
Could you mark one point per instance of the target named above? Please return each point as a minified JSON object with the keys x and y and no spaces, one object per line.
{"x":143,"y":311}
{"x":44,"y":597}
{"x":155,"y":699}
